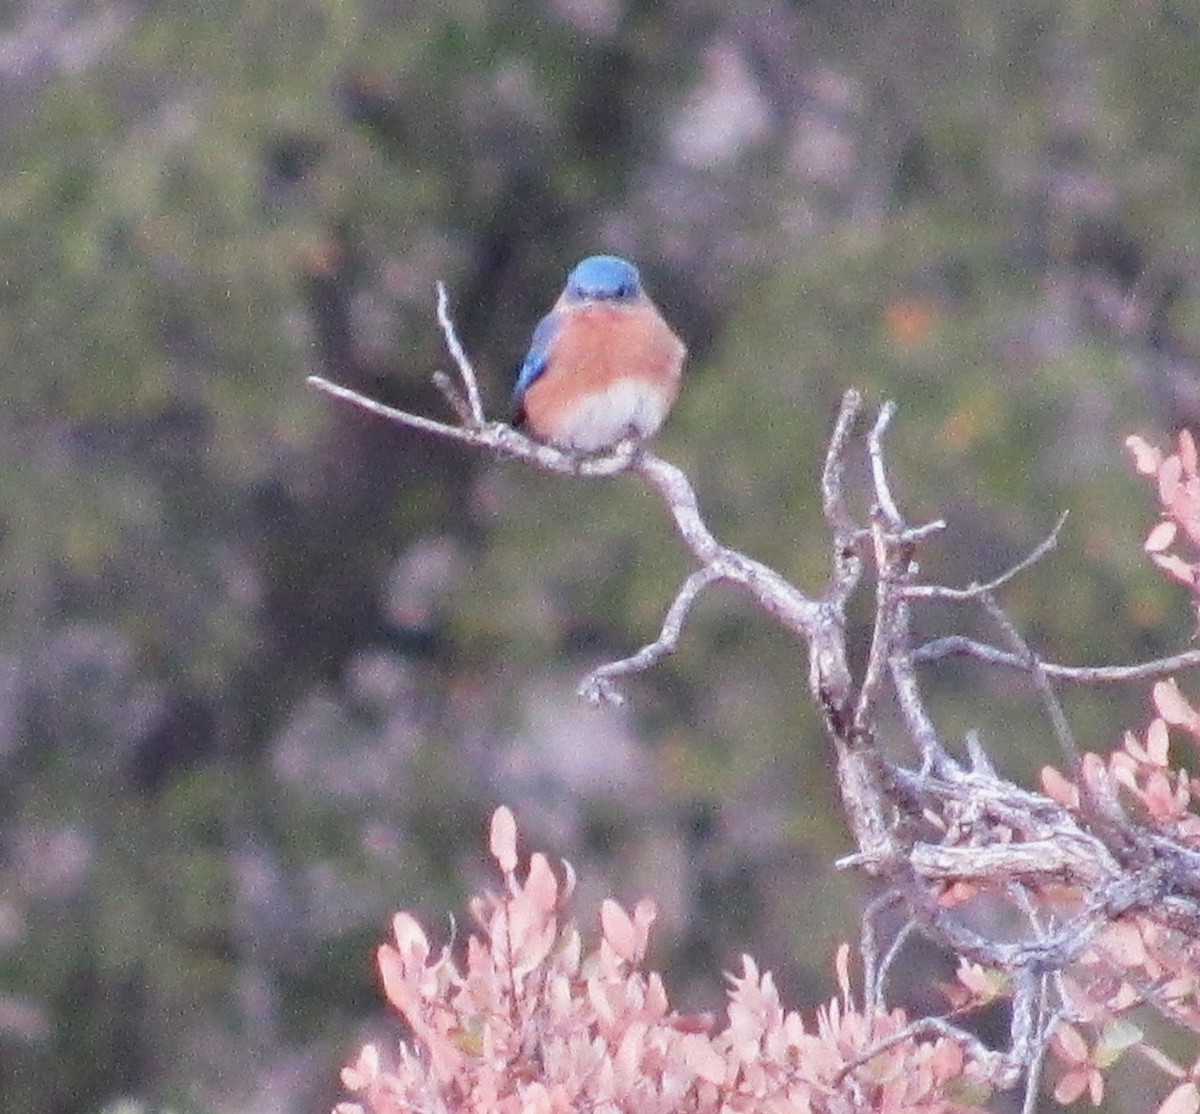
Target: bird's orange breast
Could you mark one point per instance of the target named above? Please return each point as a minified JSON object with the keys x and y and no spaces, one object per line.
{"x":598,"y":345}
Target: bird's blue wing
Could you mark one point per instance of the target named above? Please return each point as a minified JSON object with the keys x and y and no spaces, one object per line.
{"x":539,"y":350}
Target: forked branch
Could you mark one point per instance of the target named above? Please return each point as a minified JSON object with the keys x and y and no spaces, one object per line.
{"x":940,"y":827}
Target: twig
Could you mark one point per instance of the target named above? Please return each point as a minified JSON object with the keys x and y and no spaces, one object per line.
{"x":842,"y":526}
{"x":598,"y":685}
{"x":459,"y":355}
{"x":868,"y":948}
{"x":1030,"y":1030}
{"x":959,"y":646}
{"x":893,"y":952}
{"x":998,"y":1068}
{"x":492,"y":436}
{"x":454,"y":397}
{"x":887,"y":632}
{"x":894,"y":543}
{"x":912,"y":704}
{"x":975,"y":591}
{"x":1054,"y":711}
{"x":797,"y":612}
{"x":883,"y":492}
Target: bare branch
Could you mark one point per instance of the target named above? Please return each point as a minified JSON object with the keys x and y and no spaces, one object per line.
{"x":1032,"y":1026}
{"x":874,"y":973}
{"x":797,"y":612}
{"x":912,"y":704}
{"x":999,"y":1070}
{"x":875,"y":970}
{"x":779,"y":598}
{"x":459,"y":355}
{"x":454,"y":397}
{"x":492,"y":436}
{"x":975,"y":591}
{"x":598,"y":685}
{"x":1056,"y":859}
{"x":894,"y":544}
{"x":1054,"y":711}
{"x":887,"y":630}
{"x":959,"y":646}
{"x":883,"y":492}
{"x":846,"y":564}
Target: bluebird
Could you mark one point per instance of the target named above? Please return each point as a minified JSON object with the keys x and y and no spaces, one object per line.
{"x":602,"y":365}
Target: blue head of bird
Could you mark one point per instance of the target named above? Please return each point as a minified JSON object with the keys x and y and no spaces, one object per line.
{"x":603,"y":278}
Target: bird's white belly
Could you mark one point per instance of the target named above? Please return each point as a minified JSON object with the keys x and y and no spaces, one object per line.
{"x":628,"y":408}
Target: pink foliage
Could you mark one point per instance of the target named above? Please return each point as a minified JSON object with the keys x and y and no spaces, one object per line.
{"x":530,"y":1021}
{"x":1138,"y":959}
{"x":1178,"y":482}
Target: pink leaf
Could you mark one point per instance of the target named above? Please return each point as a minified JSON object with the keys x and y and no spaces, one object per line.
{"x":411,"y":941}
{"x":841,"y":964}
{"x":1146,"y":458}
{"x":1069,"y":1044}
{"x":1160,"y":537}
{"x":396,"y":986}
{"x":618,"y":929}
{"x":1124,"y":942}
{"x":629,"y":1053}
{"x":1171,"y":704}
{"x":1058,"y":788}
{"x":1184,"y":508}
{"x":541,"y":886}
{"x":1070,"y":1087}
{"x":645,"y":913}
{"x":1158,"y":742}
{"x":1185,"y":1099}
{"x":503,"y":840}
{"x":1169,"y":479}
{"x":364,"y":1071}
{"x":1187,"y":452}
{"x":1176,"y":567}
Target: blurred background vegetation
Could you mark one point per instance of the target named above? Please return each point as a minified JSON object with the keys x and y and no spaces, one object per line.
{"x":267,"y":664}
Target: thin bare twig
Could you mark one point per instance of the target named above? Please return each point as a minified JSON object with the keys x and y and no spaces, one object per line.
{"x":868,"y":947}
{"x":598,"y":685}
{"x":959,"y":646}
{"x":459,"y":355}
{"x":999,"y":1069}
{"x":454,"y":397}
{"x":1054,"y":711}
{"x":833,"y":495}
{"x":975,"y":591}
{"x":1032,"y":1025}
{"x":920,"y":724}
{"x":893,"y":544}
{"x":883,"y":491}
{"x":893,"y":953}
